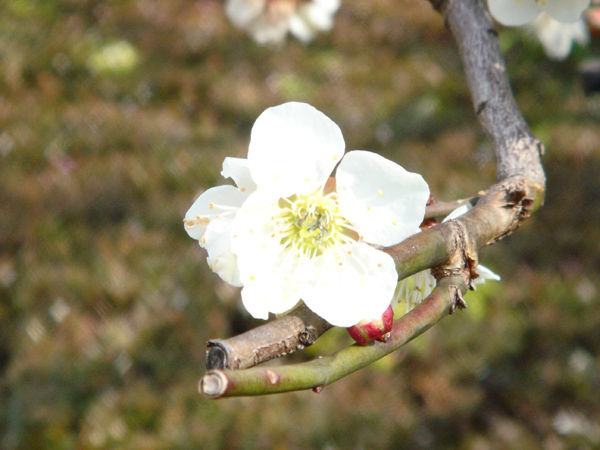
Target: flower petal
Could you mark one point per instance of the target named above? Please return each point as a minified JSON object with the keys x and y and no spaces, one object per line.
{"x":293,"y":149}
{"x":514,"y":12}
{"x":327,"y":6}
{"x":217,"y":242}
{"x":319,"y":13}
{"x":347,"y":288}
{"x":566,"y":11}
{"x":213,"y":203}
{"x":301,"y":29}
{"x":414,"y":289}
{"x":237,"y":169}
{"x":267,"y":272}
{"x":242,"y":12}
{"x":555,"y":36}
{"x":457,"y":212}
{"x":485,"y":274}
{"x":383,"y":201}
{"x":267,"y":31}
{"x":270,"y":283}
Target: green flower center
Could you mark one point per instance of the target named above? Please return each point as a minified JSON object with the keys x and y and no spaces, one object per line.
{"x":312,"y":223}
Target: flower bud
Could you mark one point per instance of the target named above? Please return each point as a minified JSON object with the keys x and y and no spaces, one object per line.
{"x":367,"y":331}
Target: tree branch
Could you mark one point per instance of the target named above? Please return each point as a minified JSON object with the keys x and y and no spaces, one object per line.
{"x":323,"y":371}
{"x":451,"y":246}
{"x":517,"y":150}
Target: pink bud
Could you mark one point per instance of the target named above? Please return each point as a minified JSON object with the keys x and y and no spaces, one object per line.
{"x":367,"y":331}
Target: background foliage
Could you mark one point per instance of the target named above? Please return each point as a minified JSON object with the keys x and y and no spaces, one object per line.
{"x":114,"y":115}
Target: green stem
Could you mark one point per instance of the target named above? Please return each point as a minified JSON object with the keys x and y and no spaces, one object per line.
{"x":323,"y":371}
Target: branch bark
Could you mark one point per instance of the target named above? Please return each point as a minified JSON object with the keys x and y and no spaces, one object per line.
{"x":517,"y":150}
{"x":450,"y":247}
{"x":323,"y":371}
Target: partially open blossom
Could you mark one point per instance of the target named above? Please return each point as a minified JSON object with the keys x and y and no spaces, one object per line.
{"x":558,"y":37}
{"x":413,"y":290}
{"x":367,"y":330}
{"x":521,"y":12}
{"x":288,"y":232}
{"x":269,"y":21}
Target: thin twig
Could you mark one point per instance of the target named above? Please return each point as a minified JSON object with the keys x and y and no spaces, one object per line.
{"x":323,"y":371}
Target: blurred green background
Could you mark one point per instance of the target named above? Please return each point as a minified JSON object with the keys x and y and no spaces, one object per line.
{"x":115,"y":115}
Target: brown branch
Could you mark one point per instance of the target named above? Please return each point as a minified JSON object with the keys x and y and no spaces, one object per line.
{"x":294,"y":331}
{"x":517,"y":150}
{"x":496,"y":214}
{"x":323,"y":371}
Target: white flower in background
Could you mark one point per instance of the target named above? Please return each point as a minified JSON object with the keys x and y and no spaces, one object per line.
{"x":557,"y":37}
{"x":414,"y":289}
{"x":269,"y":21}
{"x":287,"y":232}
{"x":520,"y":12}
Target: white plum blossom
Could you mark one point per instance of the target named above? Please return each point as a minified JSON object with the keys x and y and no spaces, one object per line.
{"x":558,"y":37}
{"x":269,"y":21}
{"x":521,"y":12}
{"x":287,"y":231}
{"x":414,"y":289}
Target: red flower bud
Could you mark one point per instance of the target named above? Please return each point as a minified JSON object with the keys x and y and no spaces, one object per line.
{"x":367,"y":331}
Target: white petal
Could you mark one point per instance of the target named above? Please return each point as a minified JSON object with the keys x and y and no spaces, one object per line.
{"x":319,"y":15}
{"x":457,"y":212}
{"x":580,"y":31}
{"x":412,"y":290}
{"x":556,"y":37}
{"x":237,"y":169}
{"x":242,"y":12}
{"x":271,"y":283}
{"x":269,"y":275}
{"x":266,"y":293}
{"x":514,"y":12}
{"x":485,"y":274}
{"x":217,"y":241}
{"x":348,"y":288}
{"x":327,"y":6}
{"x":301,"y":29}
{"x":293,"y":149}
{"x":383,"y":201}
{"x":212,"y":204}
{"x":269,"y":32}
{"x":567,"y":11}
{"x":253,"y":217}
